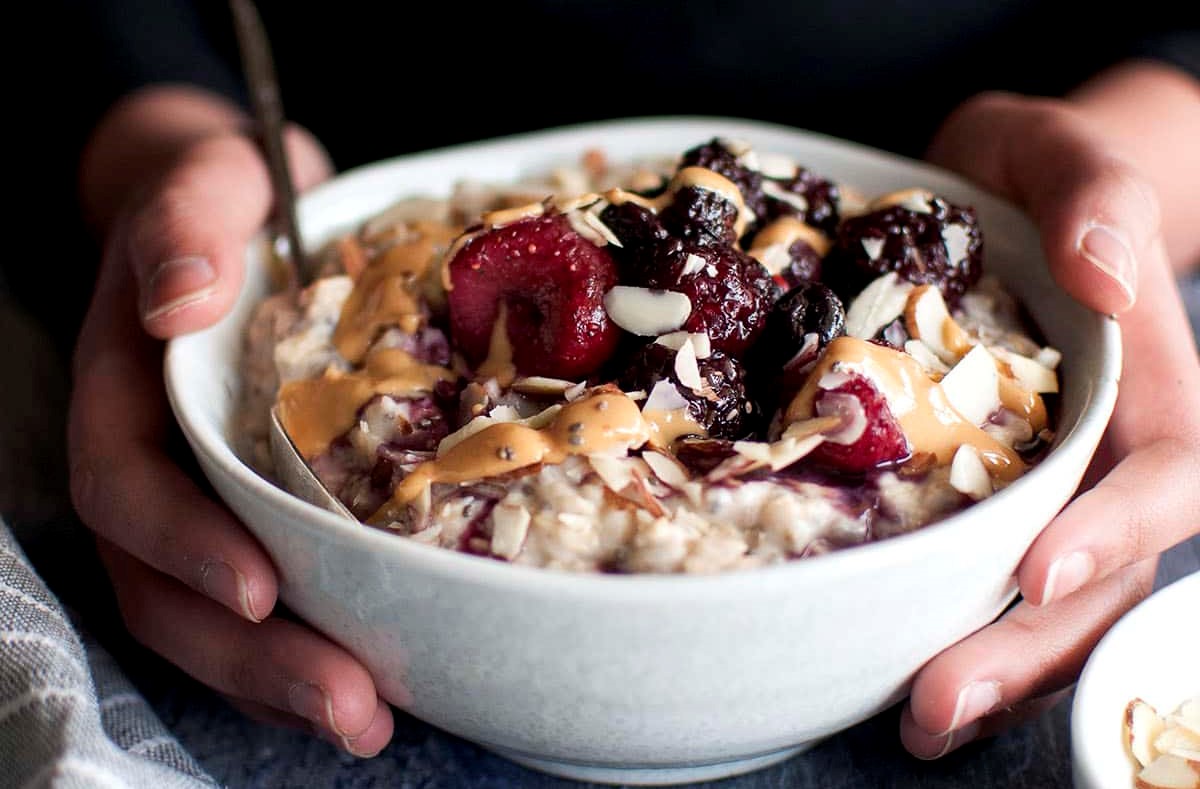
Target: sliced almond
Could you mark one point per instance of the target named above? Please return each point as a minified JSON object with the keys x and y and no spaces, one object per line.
{"x":973,"y":386}
{"x":700,"y":342}
{"x":542,"y":386}
{"x":873,"y":247}
{"x":879,"y":304}
{"x":1168,"y":772}
{"x":1142,"y":727}
{"x":774,"y":190}
{"x":917,"y":200}
{"x":957,"y":239}
{"x":1188,"y":715}
{"x":615,"y":473}
{"x":928,"y":320}
{"x":687,"y":370}
{"x":510,"y":525}
{"x":968,"y":475}
{"x":848,"y":410}
{"x":666,"y":468}
{"x":776,"y":165}
{"x":647,"y":312}
{"x":1029,"y":374}
{"x":665,"y":396}
{"x":1179,"y":741}
{"x":926,"y":357}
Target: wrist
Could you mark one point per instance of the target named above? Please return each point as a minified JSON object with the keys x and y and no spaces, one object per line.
{"x":139,"y":137}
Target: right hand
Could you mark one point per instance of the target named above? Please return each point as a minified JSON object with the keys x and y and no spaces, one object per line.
{"x":192,"y":584}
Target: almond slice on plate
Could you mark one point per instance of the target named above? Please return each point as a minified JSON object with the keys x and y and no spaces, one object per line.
{"x":1142,"y":727}
{"x":1169,"y":772}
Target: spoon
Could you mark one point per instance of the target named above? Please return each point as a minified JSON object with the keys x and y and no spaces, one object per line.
{"x":294,"y":472}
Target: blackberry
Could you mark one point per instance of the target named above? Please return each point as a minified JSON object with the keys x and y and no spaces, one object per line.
{"x":781,"y":357}
{"x":716,"y":157}
{"x":722,"y":406}
{"x":819,"y":195}
{"x":943,"y":247}
{"x":701,"y":216}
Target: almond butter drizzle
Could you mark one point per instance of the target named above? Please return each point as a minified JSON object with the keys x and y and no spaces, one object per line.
{"x":315,"y":411}
{"x":383,"y":294}
{"x":605,"y":423}
{"x":499,"y":361}
{"x":929,"y":422}
{"x":698,"y":177}
{"x":785,"y":231}
{"x":666,"y":426}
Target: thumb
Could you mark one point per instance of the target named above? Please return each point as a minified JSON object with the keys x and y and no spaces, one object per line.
{"x":186,"y":241}
{"x":1098,"y":216}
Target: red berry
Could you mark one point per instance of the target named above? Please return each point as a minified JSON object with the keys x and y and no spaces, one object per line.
{"x":553,"y":282}
{"x":881,"y":442}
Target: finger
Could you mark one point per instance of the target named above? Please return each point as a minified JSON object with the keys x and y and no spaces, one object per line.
{"x":366,"y":745}
{"x":1029,"y":653}
{"x":1098,"y":216}
{"x":277,"y":664}
{"x":921,"y":745}
{"x":123,"y":483}
{"x":1148,"y":502}
{"x":186,"y":243}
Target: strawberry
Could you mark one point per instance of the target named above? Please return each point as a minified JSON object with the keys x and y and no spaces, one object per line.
{"x":552,"y":281}
{"x":881,"y":441}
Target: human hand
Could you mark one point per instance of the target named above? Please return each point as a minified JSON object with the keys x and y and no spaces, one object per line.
{"x":1102,"y":234}
{"x":192,"y":584}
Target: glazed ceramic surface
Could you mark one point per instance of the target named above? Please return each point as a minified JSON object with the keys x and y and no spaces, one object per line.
{"x":650,"y":678}
{"x":1151,"y":653}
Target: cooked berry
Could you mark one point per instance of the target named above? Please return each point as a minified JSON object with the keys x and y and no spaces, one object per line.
{"x":702,"y":455}
{"x":820,"y":198}
{"x":942,"y":248}
{"x":730,"y":291}
{"x":552,"y":282}
{"x":881,"y":443}
{"x":805,"y":265}
{"x":637,"y":228}
{"x":716,"y":157}
{"x":701,"y":216}
{"x":722,"y":406}
{"x":783,"y":353}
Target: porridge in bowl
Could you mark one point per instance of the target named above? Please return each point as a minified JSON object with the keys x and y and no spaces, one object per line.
{"x":691,"y":366}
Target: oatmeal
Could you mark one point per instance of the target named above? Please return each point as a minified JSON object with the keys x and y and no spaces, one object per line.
{"x":714,"y":363}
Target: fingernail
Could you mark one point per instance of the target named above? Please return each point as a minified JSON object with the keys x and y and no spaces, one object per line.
{"x":312,"y":702}
{"x":975,"y":700}
{"x":935,"y":746}
{"x":1067,"y":574}
{"x":357,"y":746}
{"x":177,"y":284}
{"x":1107,"y":250}
{"x":223,"y":583}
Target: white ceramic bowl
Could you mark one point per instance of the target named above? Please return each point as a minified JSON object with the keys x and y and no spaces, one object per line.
{"x":1151,"y":653}
{"x":636,"y":678}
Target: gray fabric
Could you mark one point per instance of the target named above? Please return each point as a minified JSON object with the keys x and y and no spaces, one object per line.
{"x":68,"y":717}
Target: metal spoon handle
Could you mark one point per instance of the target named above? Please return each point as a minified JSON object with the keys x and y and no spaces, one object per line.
{"x":259,"y":68}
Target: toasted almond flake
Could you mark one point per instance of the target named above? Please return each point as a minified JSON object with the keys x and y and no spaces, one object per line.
{"x":928,"y":320}
{"x":879,"y":304}
{"x":968,"y":475}
{"x":1029,"y":374}
{"x":848,"y":410}
{"x":1179,"y":741}
{"x":665,"y":396}
{"x":575,"y":392}
{"x":540,"y":385}
{"x":507,"y":216}
{"x":873,"y":247}
{"x":575,"y":521}
{"x":573,"y":200}
{"x":1169,"y":772}
{"x":636,"y":395}
{"x":916,"y":200}
{"x":1188,"y":715}
{"x":578,"y":222}
{"x":498,"y":415}
{"x":775,"y":258}
{"x":646,"y":312}
{"x":692,"y":265}
{"x":957,"y":239}
{"x":666,"y":468}
{"x":615,"y":473}
{"x":776,"y":165}
{"x":686,"y":368}
{"x":773,"y":190}
{"x":504,"y":413}
{"x":926,"y":357}
{"x":510,"y":525}
{"x":735,"y":145}
{"x":1048,"y":357}
{"x":973,"y":386}
{"x":834,"y":378}
{"x":598,"y":225}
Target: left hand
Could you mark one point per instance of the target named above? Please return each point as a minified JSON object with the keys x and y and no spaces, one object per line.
{"x":1101,"y":229}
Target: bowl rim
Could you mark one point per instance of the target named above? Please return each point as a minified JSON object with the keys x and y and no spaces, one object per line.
{"x":857,"y":560}
{"x":1085,"y":745}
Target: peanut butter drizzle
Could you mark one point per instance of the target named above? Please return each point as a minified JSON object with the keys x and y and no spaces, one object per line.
{"x":315,"y":411}
{"x":383,"y":294}
{"x":606,"y":422}
{"x":666,"y":426}
{"x":787,"y":230}
{"x":1028,"y":405}
{"x":499,"y":361}
{"x":699,"y":177}
{"x":929,"y":422}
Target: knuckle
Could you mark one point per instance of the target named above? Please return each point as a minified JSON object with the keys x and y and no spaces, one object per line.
{"x":239,"y":676}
